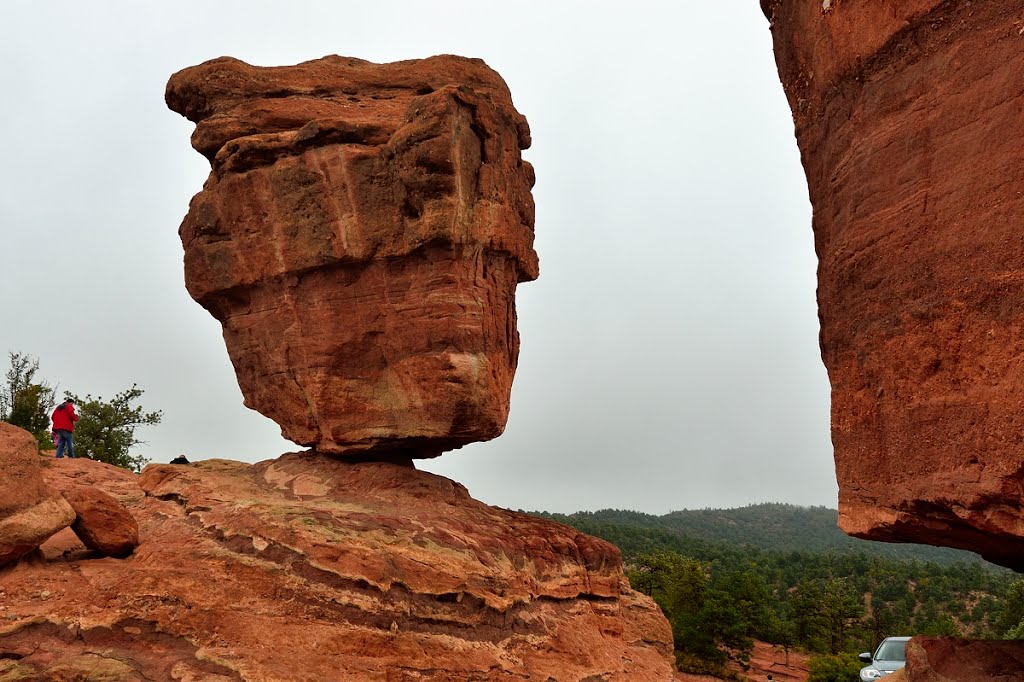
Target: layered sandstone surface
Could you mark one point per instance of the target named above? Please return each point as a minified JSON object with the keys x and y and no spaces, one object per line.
{"x":908,"y":118}
{"x":360,"y":239}
{"x":316,"y":568}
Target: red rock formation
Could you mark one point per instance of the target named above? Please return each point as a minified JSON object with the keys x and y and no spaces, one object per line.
{"x":101,"y":522}
{"x":945,"y":659}
{"x":907,"y":115}
{"x":313,"y":568}
{"x":29,"y":513}
{"x":360,"y":238}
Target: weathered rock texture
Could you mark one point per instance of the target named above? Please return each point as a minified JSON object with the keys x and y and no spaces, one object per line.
{"x":102,"y":522}
{"x":29,"y":513}
{"x":315,"y":568}
{"x":908,"y":118}
{"x":945,"y":659}
{"x":360,"y":239}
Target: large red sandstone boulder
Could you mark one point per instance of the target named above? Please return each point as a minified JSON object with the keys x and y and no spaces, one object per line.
{"x":21,"y":483}
{"x":29,"y":514}
{"x":945,"y":659}
{"x":908,"y":120}
{"x":102,"y":521}
{"x":360,"y":239}
{"x":316,"y":568}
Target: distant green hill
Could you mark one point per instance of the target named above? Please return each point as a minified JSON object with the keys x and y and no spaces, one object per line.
{"x":815,"y":586}
{"x":773,"y":527}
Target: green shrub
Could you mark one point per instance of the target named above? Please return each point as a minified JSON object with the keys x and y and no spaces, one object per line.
{"x":106,"y":428}
{"x":834,"y":668}
{"x":24,"y":401}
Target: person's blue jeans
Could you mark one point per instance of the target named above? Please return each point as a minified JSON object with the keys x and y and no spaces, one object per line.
{"x":65,"y":440}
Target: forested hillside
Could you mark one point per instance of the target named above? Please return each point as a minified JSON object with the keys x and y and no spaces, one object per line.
{"x":771,"y":526}
{"x":787,"y":575}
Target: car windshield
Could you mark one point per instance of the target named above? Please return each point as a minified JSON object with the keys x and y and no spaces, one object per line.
{"x":892,"y":651}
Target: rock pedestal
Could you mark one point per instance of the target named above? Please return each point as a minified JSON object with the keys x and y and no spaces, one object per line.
{"x":311,"y":567}
{"x":907,"y":115}
{"x":360,"y":239}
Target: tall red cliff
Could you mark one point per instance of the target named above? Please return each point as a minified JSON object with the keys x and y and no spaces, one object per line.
{"x":909,"y":116}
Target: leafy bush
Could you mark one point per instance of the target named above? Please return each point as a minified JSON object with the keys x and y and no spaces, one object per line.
{"x":834,"y":668}
{"x":24,"y":401}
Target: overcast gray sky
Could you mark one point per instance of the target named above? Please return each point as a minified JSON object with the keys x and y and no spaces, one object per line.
{"x":669,"y":349}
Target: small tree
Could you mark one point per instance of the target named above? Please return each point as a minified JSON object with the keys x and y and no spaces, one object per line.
{"x":1010,"y":623}
{"x":106,"y":429}
{"x":24,"y":401}
{"x":843,"y":608}
{"x":807,"y":614}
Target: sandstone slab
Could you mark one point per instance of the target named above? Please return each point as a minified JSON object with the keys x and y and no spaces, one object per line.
{"x":312,"y":568}
{"x":29,"y":514}
{"x":24,"y":531}
{"x":907,"y":116}
{"x":360,"y":239}
{"x":946,"y":659}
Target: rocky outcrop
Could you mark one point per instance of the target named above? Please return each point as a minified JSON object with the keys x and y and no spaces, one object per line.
{"x":102,"y":523}
{"x":945,"y":659}
{"x":360,"y":239}
{"x":29,"y":514}
{"x":908,"y":120}
{"x":314,"y":568}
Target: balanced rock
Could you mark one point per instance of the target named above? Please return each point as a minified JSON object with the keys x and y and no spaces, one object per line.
{"x":908,"y":121}
{"x":29,"y":513}
{"x":360,"y":239}
{"x":311,"y":567}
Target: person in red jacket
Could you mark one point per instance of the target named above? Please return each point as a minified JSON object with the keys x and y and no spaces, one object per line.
{"x":64,"y":419}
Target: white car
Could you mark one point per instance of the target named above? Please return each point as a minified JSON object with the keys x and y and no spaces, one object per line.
{"x":890,"y":656}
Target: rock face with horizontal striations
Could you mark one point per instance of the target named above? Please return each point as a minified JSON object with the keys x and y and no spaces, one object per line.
{"x":311,"y":567}
{"x":360,"y":239}
{"x":29,"y":513}
{"x":908,"y":118}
